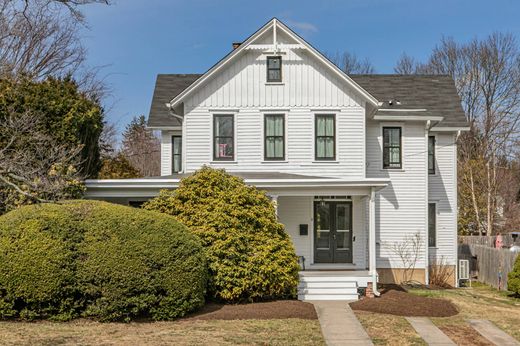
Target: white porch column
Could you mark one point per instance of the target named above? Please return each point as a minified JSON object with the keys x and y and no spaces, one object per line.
{"x":274,"y":198}
{"x":372,"y":238}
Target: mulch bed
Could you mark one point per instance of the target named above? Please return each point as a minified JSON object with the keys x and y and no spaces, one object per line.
{"x":395,"y":300}
{"x":279,"y":309}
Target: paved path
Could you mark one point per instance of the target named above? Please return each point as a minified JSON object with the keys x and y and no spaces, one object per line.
{"x":339,"y":325}
{"x":493,"y":333}
{"x":429,"y":332}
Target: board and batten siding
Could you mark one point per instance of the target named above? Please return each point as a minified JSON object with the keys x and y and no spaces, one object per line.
{"x":442,"y":190}
{"x":401,"y":207}
{"x":308,"y":88}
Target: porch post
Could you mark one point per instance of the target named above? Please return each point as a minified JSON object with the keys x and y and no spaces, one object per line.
{"x":274,"y":198}
{"x":372,"y":238}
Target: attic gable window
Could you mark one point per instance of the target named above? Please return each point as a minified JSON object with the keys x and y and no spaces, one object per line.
{"x":274,"y":69}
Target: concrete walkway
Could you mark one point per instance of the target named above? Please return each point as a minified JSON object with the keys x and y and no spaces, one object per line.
{"x":339,"y":325}
{"x":493,"y":333}
{"x":429,"y":332}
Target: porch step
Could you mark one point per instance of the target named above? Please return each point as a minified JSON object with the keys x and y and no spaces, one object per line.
{"x":327,"y":287}
{"x":327,"y":284}
{"x":343,"y":279}
{"x":328,"y":296}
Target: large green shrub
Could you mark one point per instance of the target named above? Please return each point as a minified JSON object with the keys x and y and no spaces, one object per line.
{"x":250,"y":256}
{"x":513,"y":278}
{"x":100,"y":260}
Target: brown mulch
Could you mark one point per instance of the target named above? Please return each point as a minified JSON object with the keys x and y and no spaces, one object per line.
{"x":394,"y":300}
{"x":279,"y":309}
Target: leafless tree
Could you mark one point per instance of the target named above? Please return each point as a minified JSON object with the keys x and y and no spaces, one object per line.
{"x":39,"y":38}
{"x":33,"y":166}
{"x":141,"y":147}
{"x":487,"y":77}
{"x":406,"y":65}
{"x":350,"y":63}
{"x":409,"y":251}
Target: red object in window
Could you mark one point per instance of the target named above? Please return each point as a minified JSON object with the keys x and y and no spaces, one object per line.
{"x":222,"y":150}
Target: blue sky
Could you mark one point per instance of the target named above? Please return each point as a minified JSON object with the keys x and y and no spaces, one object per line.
{"x":137,"y":39}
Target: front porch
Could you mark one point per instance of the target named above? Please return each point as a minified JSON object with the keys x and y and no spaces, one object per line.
{"x":331,"y":222}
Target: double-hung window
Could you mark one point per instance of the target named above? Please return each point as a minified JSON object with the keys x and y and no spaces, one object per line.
{"x":274,"y":143}
{"x":274,"y":69}
{"x":325,"y":130}
{"x":432,"y":224}
{"x":392,"y":155}
{"x":431,"y":155}
{"x":223,"y":137}
{"x":176,"y":154}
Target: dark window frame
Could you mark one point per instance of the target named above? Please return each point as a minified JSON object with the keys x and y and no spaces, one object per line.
{"x":268,"y":79}
{"x":390,"y":165}
{"x":179,"y":155}
{"x":431,"y":170}
{"x":432,"y":239}
{"x":216,"y":136}
{"x":316,"y":157}
{"x":267,"y":158}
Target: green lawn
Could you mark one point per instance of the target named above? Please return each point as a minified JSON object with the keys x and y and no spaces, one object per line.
{"x":218,"y":332}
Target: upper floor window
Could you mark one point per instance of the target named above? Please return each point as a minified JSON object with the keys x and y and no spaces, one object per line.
{"x":223,"y":137}
{"x":176,"y":154}
{"x":431,"y":154}
{"x":432,"y":224}
{"x":274,"y":145}
{"x":274,"y":69}
{"x":325,"y":129}
{"x":392,"y":155}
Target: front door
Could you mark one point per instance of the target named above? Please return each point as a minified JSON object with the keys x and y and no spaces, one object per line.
{"x":332,"y":232}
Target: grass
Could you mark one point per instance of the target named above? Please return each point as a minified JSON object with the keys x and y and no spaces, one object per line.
{"x":386,"y":329}
{"x":478,"y":302}
{"x":217,"y":332}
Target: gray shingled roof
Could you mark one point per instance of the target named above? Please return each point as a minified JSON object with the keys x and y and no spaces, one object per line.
{"x":167,"y":86}
{"x":435,"y":93}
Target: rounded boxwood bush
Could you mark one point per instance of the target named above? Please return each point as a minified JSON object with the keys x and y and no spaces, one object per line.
{"x":99,"y":260}
{"x":250,"y":256}
{"x":513,"y":278}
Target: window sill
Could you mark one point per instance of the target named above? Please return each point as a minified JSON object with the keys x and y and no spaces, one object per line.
{"x":274,"y":83}
{"x":274,"y":161}
{"x":326,"y":161}
{"x":400,"y":170}
{"x":223,"y":162}
{"x":433,"y":247}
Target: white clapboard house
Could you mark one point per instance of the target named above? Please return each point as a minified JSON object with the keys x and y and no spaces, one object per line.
{"x":358,"y":165}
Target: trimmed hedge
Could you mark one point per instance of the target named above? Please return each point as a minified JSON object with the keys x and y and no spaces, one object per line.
{"x":250,"y":256}
{"x":99,"y":260}
{"x":513,"y":278}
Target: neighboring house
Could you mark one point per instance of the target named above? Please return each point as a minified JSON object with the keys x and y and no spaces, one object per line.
{"x":355,"y":163}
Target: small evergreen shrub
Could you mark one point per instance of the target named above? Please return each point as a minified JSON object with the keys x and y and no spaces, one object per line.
{"x":513,"y":278}
{"x":98,"y":260}
{"x":250,"y":256}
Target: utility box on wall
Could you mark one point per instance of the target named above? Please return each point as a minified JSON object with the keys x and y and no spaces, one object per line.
{"x":304,"y":229}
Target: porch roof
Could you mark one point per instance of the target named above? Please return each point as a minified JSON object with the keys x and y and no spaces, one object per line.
{"x":271,"y":181}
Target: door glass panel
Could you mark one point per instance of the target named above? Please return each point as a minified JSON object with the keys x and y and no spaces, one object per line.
{"x":322,"y":226}
{"x":343,"y":240}
{"x":342,"y":227}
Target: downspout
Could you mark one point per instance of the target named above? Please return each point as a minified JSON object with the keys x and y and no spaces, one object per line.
{"x":372,"y":239}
